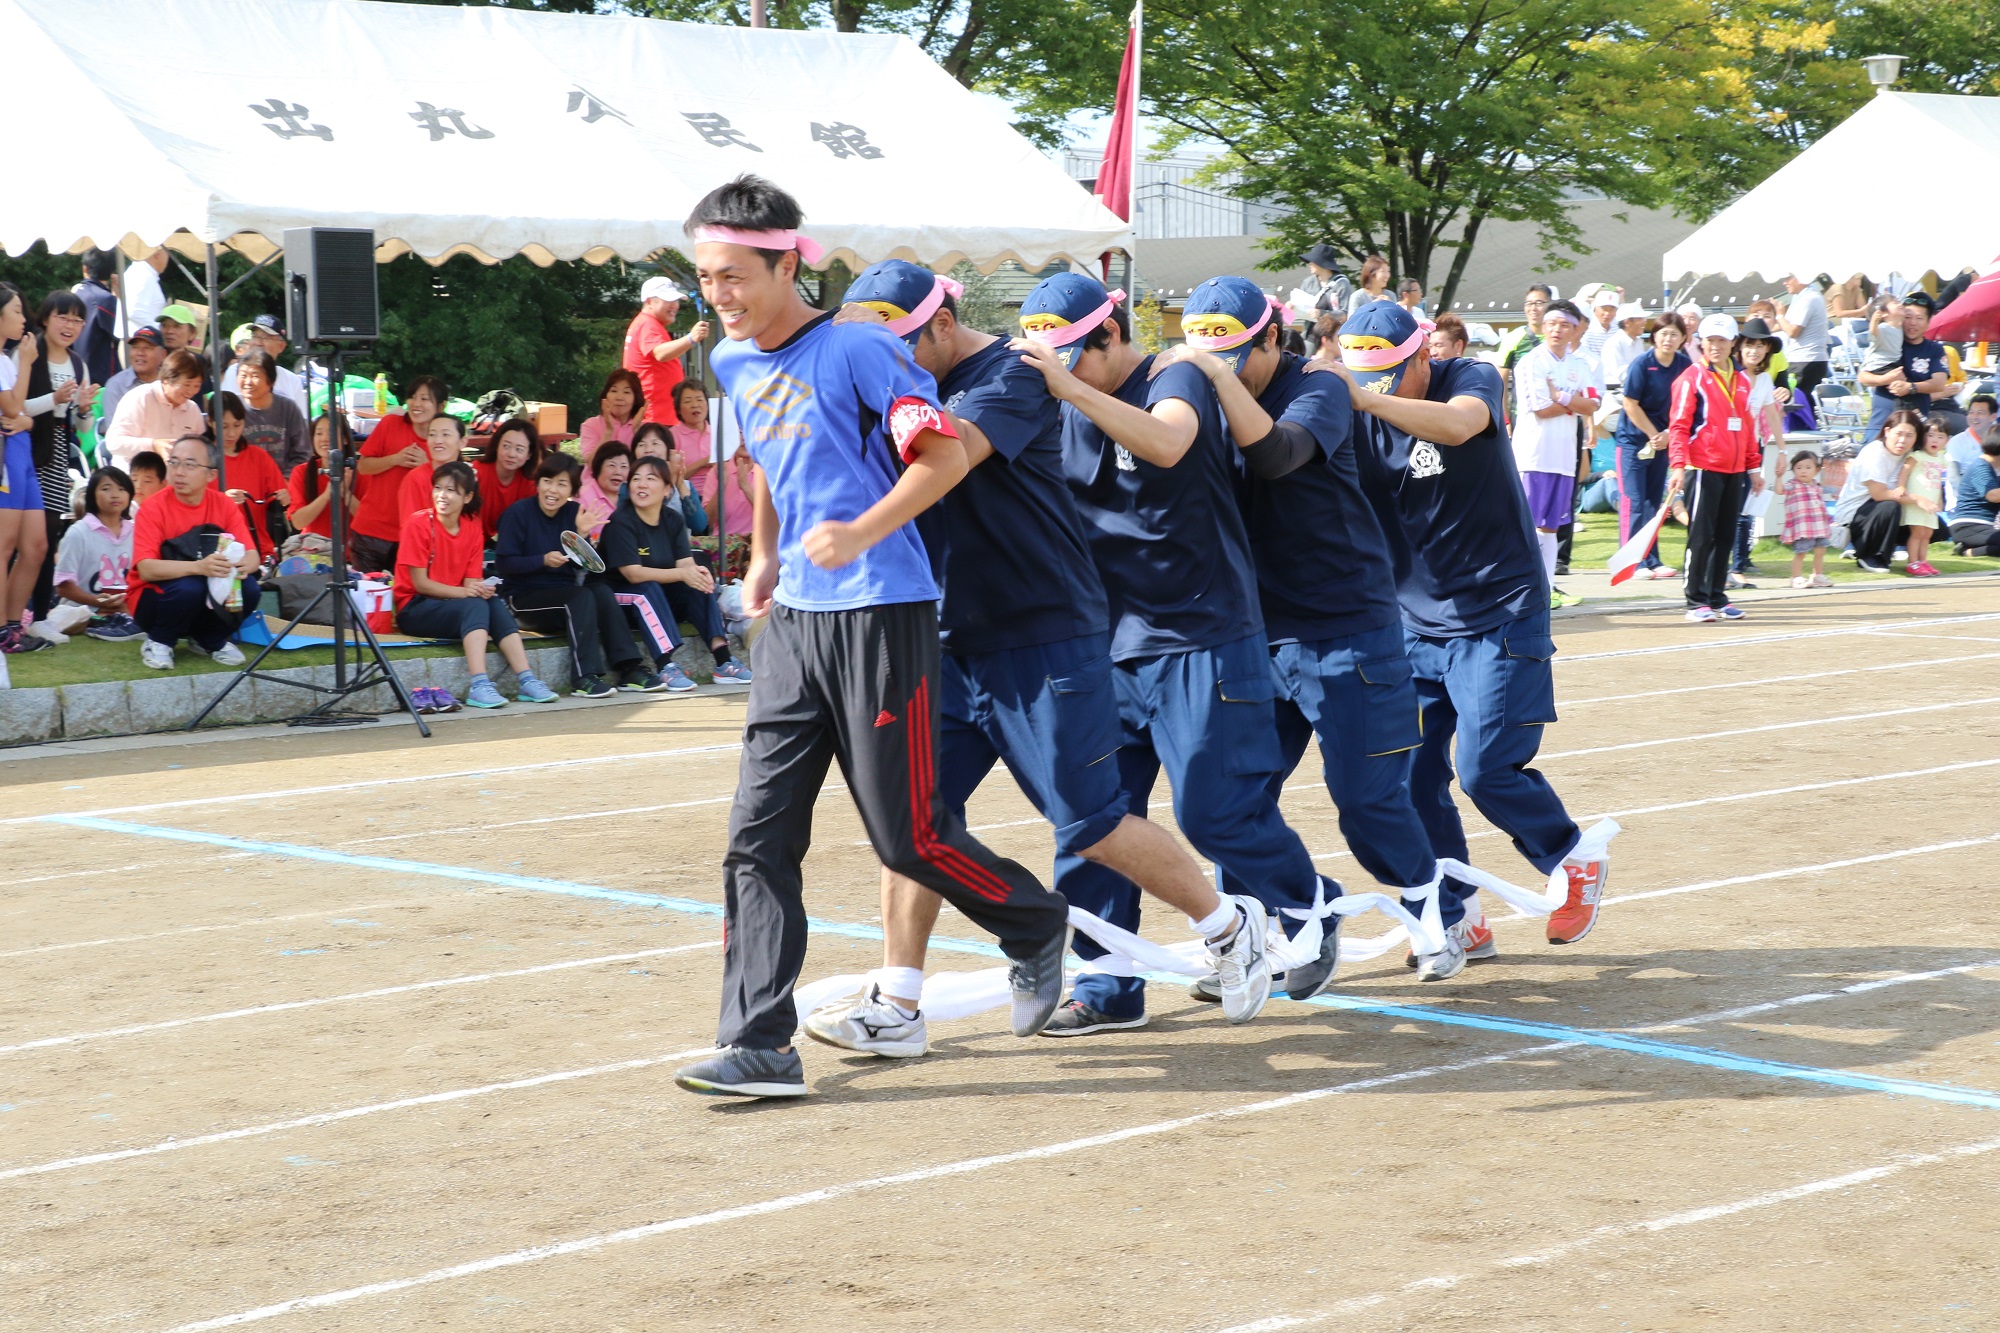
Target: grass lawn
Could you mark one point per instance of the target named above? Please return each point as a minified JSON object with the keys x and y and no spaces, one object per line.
{"x":83,"y":659}
{"x":1597,"y":538}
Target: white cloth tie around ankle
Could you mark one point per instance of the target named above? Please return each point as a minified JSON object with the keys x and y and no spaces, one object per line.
{"x":1592,"y":846}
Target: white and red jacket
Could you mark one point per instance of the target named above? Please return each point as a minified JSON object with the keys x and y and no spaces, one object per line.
{"x":1709,"y":427}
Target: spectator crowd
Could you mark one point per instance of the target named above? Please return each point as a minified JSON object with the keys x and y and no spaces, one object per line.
{"x":142,"y":499}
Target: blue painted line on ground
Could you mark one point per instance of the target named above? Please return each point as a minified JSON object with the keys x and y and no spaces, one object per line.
{"x":1615,"y":1041}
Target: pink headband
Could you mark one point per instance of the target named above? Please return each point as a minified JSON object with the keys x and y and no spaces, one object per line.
{"x":1082,"y":328}
{"x":809,"y":249}
{"x":927,"y":307}
{"x":1562,"y":314}
{"x":1383,"y":358}
{"x":1205,"y":343}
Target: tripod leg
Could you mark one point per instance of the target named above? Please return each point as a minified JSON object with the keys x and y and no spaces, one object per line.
{"x":382,"y":662}
{"x":244,"y":672}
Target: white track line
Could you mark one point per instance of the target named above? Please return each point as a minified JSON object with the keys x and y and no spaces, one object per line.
{"x":1772,"y":680}
{"x":137,"y":1028}
{"x":350,"y":1113}
{"x":198,"y":930}
{"x":542,"y":1080}
{"x":830,"y":789}
{"x":1985,"y":841}
{"x":360,"y":783}
{"x":1773,"y":726}
{"x":1755,"y":640}
{"x":1651,"y":1226}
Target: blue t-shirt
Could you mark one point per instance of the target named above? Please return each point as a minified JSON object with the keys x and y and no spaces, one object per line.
{"x":1456,"y":517}
{"x":815,"y":417}
{"x":1651,"y":386}
{"x":1323,"y":568}
{"x":1168,"y":542}
{"x":1973,"y":483}
{"x":1921,"y":360}
{"x":1006,"y":544}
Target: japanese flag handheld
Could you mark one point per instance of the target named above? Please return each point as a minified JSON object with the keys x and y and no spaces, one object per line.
{"x":1626,"y":558}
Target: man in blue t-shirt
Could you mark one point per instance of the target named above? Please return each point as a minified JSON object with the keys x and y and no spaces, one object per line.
{"x":1026,"y":671}
{"x":1436,"y":464}
{"x":851,"y":447}
{"x":1973,"y":521}
{"x":1327,"y":588}
{"x":1153,"y":470}
{"x":1921,"y":372}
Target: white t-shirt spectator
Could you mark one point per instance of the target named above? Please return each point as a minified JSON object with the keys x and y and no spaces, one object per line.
{"x":1549,"y":444}
{"x":142,"y":299}
{"x":1621,"y":349}
{"x":1808,"y":311}
{"x":1876,"y":464}
{"x":289,"y":385}
{"x":92,"y":557}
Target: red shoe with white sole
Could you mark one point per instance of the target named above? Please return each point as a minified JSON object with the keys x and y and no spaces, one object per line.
{"x":1477,"y":938}
{"x":1569,"y":923}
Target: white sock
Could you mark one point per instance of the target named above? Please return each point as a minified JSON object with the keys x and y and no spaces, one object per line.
{"x":1549,"y":545}
{"x":1219,"y":922}
{"x":903,"y":983}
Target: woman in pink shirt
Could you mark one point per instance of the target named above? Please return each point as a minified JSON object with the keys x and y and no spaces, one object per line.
{"x":155,"y":415}
{"x":618,"y":412}
{"x":690,"y":426}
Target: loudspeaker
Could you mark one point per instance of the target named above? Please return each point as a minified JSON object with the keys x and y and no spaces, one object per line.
{"x":330,"y":285}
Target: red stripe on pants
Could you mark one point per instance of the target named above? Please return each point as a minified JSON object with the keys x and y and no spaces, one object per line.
{"x":947,"y":859}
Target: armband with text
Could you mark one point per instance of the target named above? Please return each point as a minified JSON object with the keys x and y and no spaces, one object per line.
{"x":909,"y":417}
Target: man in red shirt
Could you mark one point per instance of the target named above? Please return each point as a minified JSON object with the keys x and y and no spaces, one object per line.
{"x":653,"y":353}
{"x":173,"y":601}
{"x":399,"y":443}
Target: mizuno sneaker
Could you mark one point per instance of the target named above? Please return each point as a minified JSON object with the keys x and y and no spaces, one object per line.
{"x":873,"y":1026}
{"x":1242,"y":968}
{"x":1569,"y":923}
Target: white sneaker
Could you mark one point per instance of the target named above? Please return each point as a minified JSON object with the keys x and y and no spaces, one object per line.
{"x":1801,"y":581}
{"x":872,"y":1026}
{"x":1445,"y":964}
{"x":1242,"y":967}
{"x":1701,"y":615}
{"x":228,"y":655}
{"x":157,"y":655}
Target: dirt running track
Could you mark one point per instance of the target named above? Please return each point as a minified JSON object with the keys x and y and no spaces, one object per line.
{"x":324,"y":1032}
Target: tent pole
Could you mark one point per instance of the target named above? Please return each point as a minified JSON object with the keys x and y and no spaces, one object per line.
{"x":757,"y":14}
{"x":221,"y":345}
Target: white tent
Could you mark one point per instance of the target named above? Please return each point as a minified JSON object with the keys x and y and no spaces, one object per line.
{"x":1829,"y":210}
{"x":499,"y":131}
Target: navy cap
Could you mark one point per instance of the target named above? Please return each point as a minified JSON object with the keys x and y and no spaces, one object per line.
{"x":1065,"y":309}
{"x":270,"y":324}
{"x":1377,"y":342}
{"x":904,"y":294}
{"x":1224,"y":317}
{"x":146,"y":333}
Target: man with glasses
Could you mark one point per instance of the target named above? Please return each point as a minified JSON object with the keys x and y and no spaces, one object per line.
{"x":1519,"y":342}
{"x":178,"y":545}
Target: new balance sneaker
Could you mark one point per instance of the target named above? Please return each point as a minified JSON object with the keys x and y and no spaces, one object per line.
{"x":1731,"y":611}
{"x":677,"y":679}
{"x":114,"y":628}
{"x":228,"y":655}
{"x":739,"y":1071}
{"x":1037,"y":984}
{"x":872,"y":1025}
{"x":156,"y":655}
{"x":590,"y":687}
{"x":735,"y":669}
{"x":1242,"y":967}
{"x":1446,"y":963}
{"x":638,"y":680}
{"x":1474,"y":937}
{"x":1569,"y":923}
{"x":1077,"y":1019}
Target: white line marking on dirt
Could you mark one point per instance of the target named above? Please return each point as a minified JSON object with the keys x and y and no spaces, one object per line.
{"x":360,"y":783}
{"x":1843,"y":864}
{"x":350,"y":1113}
{"x":137,"y":1028}
{"x":226,"y":925}
{"x":1774,"y":726}
{"x":1651,"y":1226}
{"x":1754,"y":640}
{"x":830,"y":789}
{"x":1773,"y":680}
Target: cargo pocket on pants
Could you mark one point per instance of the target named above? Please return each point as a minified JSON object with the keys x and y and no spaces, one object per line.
{"x":1528,"y":698}
{"x":1389,"y":718}
{"x":1248,"y":732}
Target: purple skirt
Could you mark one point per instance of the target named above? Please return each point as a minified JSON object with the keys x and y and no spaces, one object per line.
{"x":1551,"y":498}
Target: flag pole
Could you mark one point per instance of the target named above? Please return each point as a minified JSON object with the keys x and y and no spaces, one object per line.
{"x":1132,"y":194}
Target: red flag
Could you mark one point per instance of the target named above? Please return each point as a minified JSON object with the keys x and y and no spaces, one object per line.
{"x":1624,"y":561}
{"x":1114,"y":173}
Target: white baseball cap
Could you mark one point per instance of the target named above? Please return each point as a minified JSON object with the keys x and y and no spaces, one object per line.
{"x":661,"y":289}
{"x":1630,"y":310}
{"x":1605,"y":296}
{"x":1717,"y":326}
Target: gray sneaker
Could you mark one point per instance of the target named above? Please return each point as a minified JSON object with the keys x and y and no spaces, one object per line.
{"x":1207,"y":989}
{"x":738,"y":1071}
{"x":872,"y":1026}
{"x":1242,"y":968}
{"x":1077,"y":1019}
{"x":1302,"y":983}
{"x":1445,"y":964}
{"x":1037,"y":982}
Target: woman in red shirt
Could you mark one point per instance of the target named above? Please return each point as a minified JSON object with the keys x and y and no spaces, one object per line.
{"x":251,"y":478}
{"x":398,"y":444}
{"x":311,"y":510}
{"x":446,"y":441}
{"x":441,"y":591}
{"x":506,"y":470}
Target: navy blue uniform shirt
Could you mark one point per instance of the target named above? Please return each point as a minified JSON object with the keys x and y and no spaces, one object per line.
{"x":1323,"y":567}
{"x":1455,"y":515}
{"x":1006,"y":543}
{"x":1169,"y":542}
{"x":1651,"y":386}
{"x":1921,"y":360}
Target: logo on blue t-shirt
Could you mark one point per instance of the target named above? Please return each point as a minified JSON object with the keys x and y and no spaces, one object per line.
{"x":1425,"y":460}
{"x":777,"y":396}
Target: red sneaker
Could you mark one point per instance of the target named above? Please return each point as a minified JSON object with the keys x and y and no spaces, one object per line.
{"x":1475,"y":936}
{"x":1569,"y":923}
